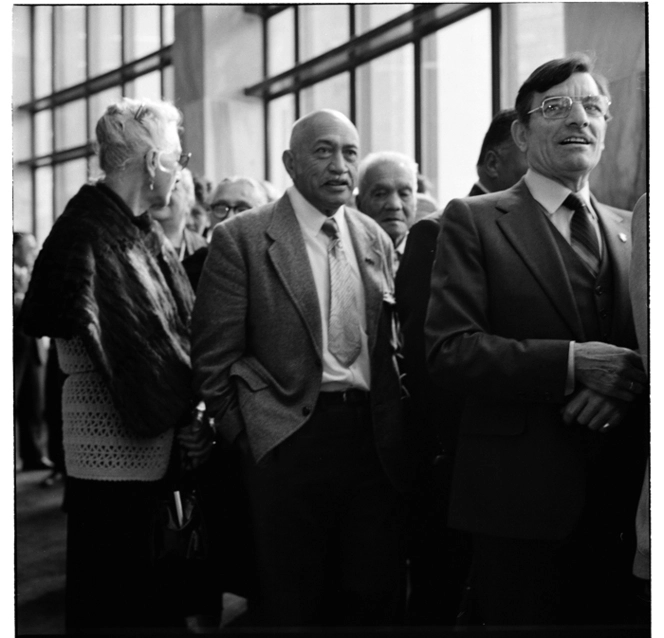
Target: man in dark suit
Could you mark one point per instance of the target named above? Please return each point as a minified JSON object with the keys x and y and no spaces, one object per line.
{"x":299,"y":372}
{"x":530,"y":318}
{"x":439,"y":556}
{"x":501,"y":163}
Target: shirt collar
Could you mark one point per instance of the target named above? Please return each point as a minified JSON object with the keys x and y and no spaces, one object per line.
{"x":481,"y":186}
{"x":401,"y":246}
{"x":552,"y":194}
{"x":309,"y":217}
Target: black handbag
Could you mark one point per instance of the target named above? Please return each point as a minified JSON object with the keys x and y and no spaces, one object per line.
{"x":180,"y":545}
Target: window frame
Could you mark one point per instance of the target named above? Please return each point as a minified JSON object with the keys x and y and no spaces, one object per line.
{"x":409,"y":28}
{"x":158,"y":60}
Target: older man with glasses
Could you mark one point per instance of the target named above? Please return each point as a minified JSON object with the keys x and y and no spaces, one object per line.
{"x":530,"y":319}
{"x":234,"y":195}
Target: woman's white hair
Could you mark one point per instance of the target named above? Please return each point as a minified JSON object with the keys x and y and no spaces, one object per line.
{"x":130,"y":128}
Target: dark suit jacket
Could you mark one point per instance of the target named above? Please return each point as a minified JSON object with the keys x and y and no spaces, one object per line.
{"x":433,"y":411}
{"x":500,"y":319}
{"x":256,"y":331}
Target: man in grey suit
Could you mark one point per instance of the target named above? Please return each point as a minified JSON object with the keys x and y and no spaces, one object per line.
{"x":529,"y":317}
{"x":300,"y":373}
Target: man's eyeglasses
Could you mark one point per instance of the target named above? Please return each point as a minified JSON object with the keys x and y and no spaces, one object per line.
{"x":559,"y":107}
{"x":221,"y":210}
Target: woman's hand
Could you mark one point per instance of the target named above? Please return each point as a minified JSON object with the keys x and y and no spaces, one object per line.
{"x":196,"y":440}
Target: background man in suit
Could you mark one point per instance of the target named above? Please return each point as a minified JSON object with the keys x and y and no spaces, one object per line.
{"x":439,"y":556}
{"x":300,"y":373}
{"x":501,"y":163}
{"x":530,"y":317}
{"x":387,"y":193}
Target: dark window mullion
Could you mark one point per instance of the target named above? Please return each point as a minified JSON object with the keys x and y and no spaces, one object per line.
{"x":53,"y":63}
{"x":162,"y":26}
{"x":33,"y":145}
{"x":496,"y":25}
{"x":266,"y":106}
{"x":417,"y":79}
{"x":296,"y":29}
{"x":352,"y":93}
{"x":88,"y":110}
{"x":122,"y":46}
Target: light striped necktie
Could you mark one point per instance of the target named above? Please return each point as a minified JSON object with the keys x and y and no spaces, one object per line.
{"x":583,"y":235}
{"x":343,"y":326}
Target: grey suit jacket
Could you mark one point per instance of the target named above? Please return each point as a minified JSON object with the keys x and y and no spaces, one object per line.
{"x":256,"y":332}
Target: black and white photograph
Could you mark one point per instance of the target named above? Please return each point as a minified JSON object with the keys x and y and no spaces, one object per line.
{"x":332,"y":319}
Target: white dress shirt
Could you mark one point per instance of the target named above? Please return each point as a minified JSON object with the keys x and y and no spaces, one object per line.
{"x":551,"y":196}
{"x":336,"y":377}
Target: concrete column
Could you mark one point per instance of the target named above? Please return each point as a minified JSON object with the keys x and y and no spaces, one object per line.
{"x":217,"y":53}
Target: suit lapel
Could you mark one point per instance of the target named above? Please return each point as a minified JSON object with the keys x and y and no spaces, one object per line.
{"x":370,"y":262}
{"x":289,"y":256}
{"x":527,"y":229}
{"x":618,"y":243}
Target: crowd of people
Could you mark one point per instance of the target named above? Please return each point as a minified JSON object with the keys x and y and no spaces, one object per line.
{"x":395,"y":413}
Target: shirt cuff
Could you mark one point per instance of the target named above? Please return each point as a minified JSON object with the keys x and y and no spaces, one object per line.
{"x":569,"y":383}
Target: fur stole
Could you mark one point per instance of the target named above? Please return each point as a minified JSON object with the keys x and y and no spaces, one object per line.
{"x":112,"y":279}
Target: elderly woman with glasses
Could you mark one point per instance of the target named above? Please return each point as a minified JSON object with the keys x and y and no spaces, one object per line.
{"x":109,"y":288}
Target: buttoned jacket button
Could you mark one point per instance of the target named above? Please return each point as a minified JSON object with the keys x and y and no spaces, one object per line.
{"x":306,"y":410}
{"x":599,"y":290}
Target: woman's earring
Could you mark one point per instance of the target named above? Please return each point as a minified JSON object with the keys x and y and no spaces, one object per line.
{"x":151,"y":184}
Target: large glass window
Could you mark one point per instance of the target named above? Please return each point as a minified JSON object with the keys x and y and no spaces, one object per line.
{"x":77,"y":52}
{"x":386,"y":103}
{"x":281,"y":42}
{"x":146,"y":86}
{"x":105,"y":38}
{"x":370,"y":16}
{"x":415,"y":78}
{"x":281,"y":115}
{"x":42,"y":65}
{"x":321,"y":28}
{"x":70,"y":125}
{"x":44,"y":202}
{"x":457,"y":110}
{"x":142,"y":30}
{"x":328,"y":94}
{"x":43,"y":128}
{"x":70,"y":58}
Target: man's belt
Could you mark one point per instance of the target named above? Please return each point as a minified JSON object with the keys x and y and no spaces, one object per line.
{"x":347,"y":397}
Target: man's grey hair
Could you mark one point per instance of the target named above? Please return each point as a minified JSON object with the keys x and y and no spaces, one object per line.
{"x":259,"y":189}
{"x":384,"y":157}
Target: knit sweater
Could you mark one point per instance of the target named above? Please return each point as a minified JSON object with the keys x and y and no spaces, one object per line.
{"x":97,"y":443}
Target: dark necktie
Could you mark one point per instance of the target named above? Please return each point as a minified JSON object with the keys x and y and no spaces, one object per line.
{"x":343,"y":326}
{"x":583,"y":235}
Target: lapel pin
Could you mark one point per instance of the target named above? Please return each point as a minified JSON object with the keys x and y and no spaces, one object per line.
{"x":622,"y":237}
